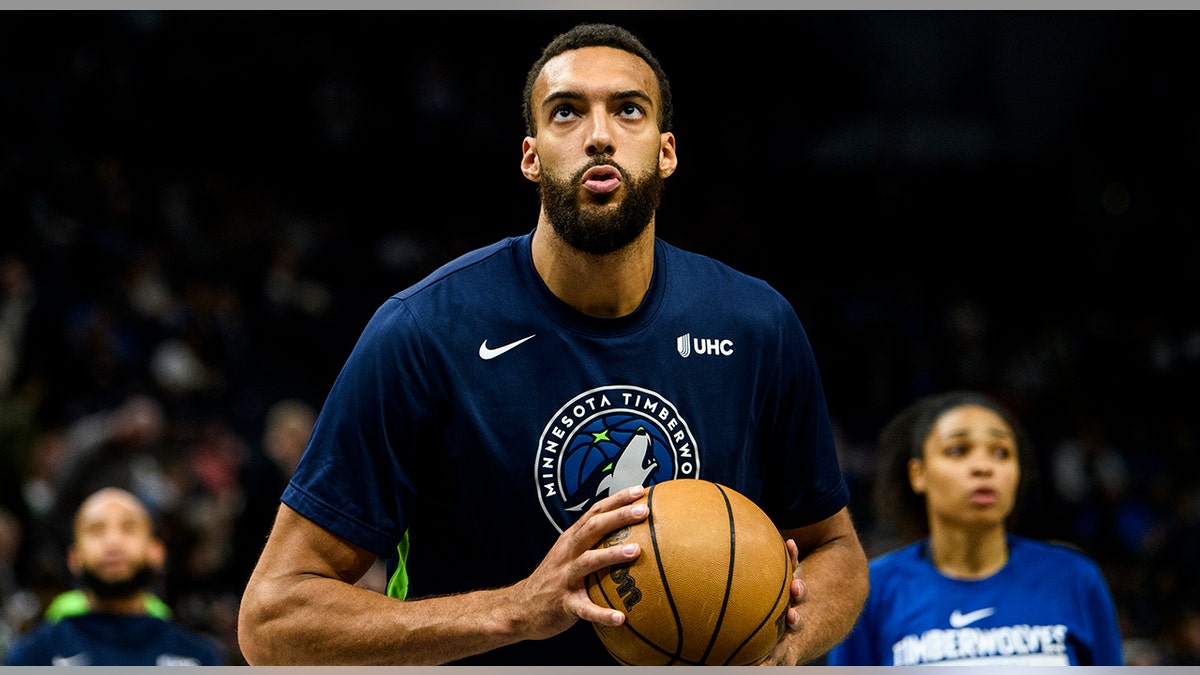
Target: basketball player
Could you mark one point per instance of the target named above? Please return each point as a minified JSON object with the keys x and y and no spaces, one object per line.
{"x":498,"y":418}
{"x":969,"y":592}
{"x":115,"y":554}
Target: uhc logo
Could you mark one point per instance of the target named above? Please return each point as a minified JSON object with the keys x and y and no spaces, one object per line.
{"x":687,"y":345}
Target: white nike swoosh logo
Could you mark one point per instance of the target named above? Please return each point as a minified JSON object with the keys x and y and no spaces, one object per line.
{"x":80,"y":659}
{"x":486,"y":352}
{"x":958,"y":620}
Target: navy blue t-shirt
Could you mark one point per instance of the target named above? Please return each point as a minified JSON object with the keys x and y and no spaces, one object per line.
{"x":481,"y":415}
{"x":113,"y":640}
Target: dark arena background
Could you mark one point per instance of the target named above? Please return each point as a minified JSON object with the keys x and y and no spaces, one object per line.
{"x":199,"y":210}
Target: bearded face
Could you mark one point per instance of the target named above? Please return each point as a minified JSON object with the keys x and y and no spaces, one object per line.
{"x":116,"y":588}
{"x":598,"y":226}
{"x":115,"y":555}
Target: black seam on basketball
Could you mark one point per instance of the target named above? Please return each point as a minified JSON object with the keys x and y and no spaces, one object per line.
{"x":674,"y":657}
{"x":655,"y":647}
{"x":600,"y":587}
{"x":631,"y":629}
{"x":785,"y":589}
{"x":662,"y":575}
{"x":712,"y":640}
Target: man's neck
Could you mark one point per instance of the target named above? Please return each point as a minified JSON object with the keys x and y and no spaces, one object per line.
{"x":132,"y":604}
{"x":609,"y":285}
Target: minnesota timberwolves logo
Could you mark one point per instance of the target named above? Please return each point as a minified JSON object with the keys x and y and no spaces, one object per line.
{"x":605,"y":440}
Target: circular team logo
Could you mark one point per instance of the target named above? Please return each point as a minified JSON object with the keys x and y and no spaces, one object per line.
{"x":605,"y":440}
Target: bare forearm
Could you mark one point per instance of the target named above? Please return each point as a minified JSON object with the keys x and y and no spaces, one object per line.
{"x":835,"y":577}
{"x":300,"y":605}
{"x":322,"y":621}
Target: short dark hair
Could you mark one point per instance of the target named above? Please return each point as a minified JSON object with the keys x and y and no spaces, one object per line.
{"x":598,"y":35}
{"x":903,"y":438}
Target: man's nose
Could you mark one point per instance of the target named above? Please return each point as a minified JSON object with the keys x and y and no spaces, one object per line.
{"x":600,"y":138}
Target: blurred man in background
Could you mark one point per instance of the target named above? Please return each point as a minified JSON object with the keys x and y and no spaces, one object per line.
{"x":114,"y":619}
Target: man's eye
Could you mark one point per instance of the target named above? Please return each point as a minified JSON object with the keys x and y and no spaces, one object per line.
{"x":631,"y":110}
{"x":562,"y":112}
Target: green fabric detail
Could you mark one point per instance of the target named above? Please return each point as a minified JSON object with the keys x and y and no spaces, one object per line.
{"x":156,"y":607}
{"x":75,"y":603}
{"x":398,"y":585}
{"x":71,"y":603}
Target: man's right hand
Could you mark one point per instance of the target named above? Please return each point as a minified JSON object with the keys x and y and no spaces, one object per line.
{"x":555,"y":596}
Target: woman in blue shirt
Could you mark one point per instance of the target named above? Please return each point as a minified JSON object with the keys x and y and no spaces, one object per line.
{"x":968,"y":591}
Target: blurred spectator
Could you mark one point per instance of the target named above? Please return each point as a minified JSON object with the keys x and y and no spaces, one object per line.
{"x":126,"y":446}
{"x":1144,"y":652}
{"x":1092,"y":479}
{"x":17,"y":300}
{"x":286,"y":428}
{"x":204,"y":584}
{"x":115,"y":619}
{"x":18,"y":606}
{"x":1186,"y":641}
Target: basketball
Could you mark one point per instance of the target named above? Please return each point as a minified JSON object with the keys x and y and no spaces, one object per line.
{"x":711,"y":586}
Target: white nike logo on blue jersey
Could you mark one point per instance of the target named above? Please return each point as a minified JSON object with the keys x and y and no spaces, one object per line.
{"x":486,"y":353}
{"x":958,"y":619}
{"x":80,"y":659}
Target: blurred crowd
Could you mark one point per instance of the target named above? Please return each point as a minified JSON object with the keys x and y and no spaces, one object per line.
{"x":195,"y":225}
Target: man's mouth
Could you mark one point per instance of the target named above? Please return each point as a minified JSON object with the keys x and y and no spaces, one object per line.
{"x":602,"y":179}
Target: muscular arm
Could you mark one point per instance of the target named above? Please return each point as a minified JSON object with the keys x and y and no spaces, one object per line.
{"x":833,"y":586}
{"x":301,"y":607}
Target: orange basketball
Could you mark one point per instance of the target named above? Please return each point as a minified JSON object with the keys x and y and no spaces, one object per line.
{"x":711,"y":586}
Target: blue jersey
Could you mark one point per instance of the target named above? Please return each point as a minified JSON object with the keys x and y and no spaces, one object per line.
{"x":482,"y":416}
{"x":1049,"y":605}
{"x":113,"y":640}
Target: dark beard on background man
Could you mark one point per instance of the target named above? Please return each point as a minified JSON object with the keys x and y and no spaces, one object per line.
{"x":136,"y":583}
{"x":601,"y":233}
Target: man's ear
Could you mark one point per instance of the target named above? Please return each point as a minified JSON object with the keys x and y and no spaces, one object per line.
{"x":74,"y":563}
{"x":531,"y":166}
{"x":916,"y":475}
{"x":667,"y":159}
{"x":156,"y":554}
